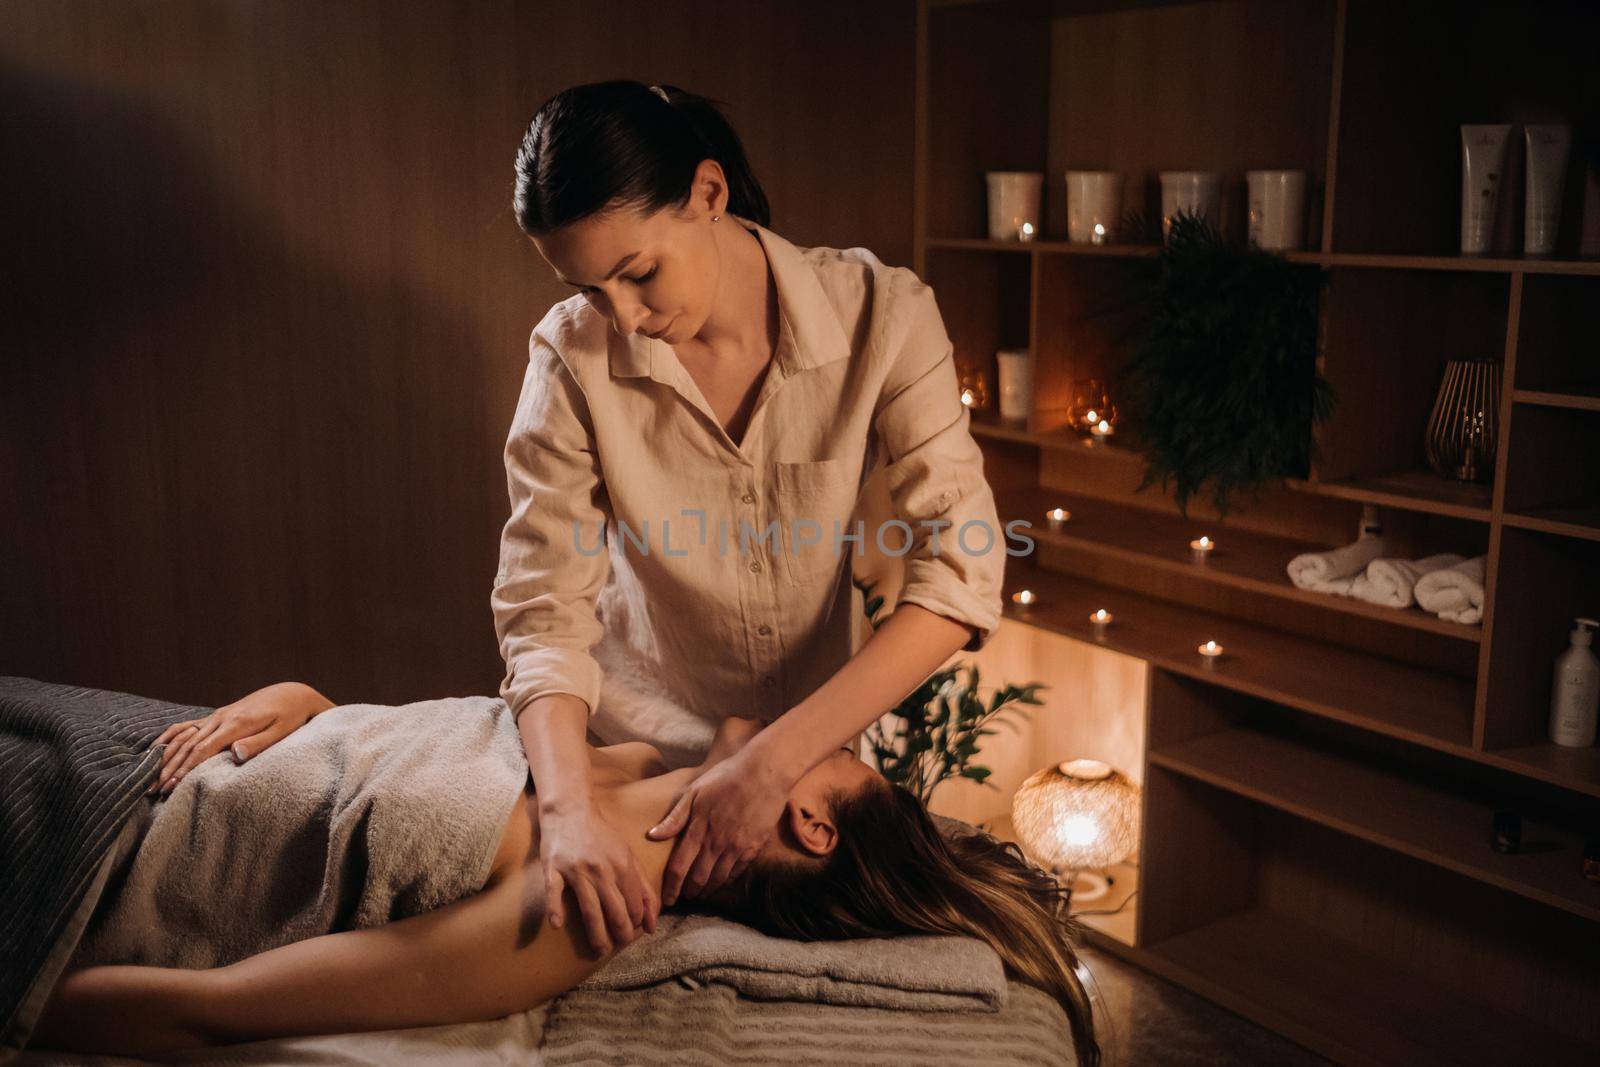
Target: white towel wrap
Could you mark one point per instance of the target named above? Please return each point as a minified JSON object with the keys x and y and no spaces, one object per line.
{"x":1455,"y":593}
{"x":1335,"y":570}
{"x":1390,"y":582}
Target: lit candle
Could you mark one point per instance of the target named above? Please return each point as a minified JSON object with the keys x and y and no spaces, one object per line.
{"x":1100,"y":619}
{"x":1057,"y":518}
{"x":1211,"y":651}
{"x":1102,"y":430}
{"x":1099,"y":237}
{"x":966,"y":397}
{"x":1201,"y":547}
{"x":1091,"y":417}
{"x":1023,"y":597}
{"x":1025,"y":232}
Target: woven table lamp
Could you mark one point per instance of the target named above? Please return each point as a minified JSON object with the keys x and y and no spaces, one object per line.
{"x":1078,"y":817}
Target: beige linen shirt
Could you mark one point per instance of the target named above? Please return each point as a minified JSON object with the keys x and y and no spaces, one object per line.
{"x":723,"y":585}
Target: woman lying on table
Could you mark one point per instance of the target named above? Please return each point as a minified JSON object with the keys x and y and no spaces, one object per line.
{"x":852,"y":856}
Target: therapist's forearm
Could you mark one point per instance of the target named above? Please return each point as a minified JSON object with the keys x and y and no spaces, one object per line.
{"x":910,"y":645}
{"x":553,"y":729}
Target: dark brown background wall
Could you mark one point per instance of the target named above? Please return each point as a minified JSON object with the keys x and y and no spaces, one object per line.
{"x":266,"y":310}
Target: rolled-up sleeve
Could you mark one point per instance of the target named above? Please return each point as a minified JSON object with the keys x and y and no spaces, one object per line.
{"x":955,"y":566}
{"x":552,"y":561}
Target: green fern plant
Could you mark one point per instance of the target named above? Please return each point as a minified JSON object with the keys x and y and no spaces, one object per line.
{"x":939,"y":727}
{"x":1222,"y":384}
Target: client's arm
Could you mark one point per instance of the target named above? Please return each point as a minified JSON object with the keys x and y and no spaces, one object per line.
{"x":247,"y":726}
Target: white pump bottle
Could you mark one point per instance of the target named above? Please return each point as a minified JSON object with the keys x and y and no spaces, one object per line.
{"x":1575,"y":693}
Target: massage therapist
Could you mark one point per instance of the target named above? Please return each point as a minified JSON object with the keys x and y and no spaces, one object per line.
{"x":710,"y":401}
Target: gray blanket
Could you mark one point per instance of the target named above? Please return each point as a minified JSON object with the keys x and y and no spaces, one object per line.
{"x":74,"y":763}
{"x":365,"y":815}
{"x":910,"y":973}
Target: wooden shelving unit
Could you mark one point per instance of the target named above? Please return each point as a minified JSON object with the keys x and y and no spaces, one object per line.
{"x":1315,"y":849}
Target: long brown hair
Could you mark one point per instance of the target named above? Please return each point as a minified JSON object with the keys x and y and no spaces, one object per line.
{"x":892,"y":872}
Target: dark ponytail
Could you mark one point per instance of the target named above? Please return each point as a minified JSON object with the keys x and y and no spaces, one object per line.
{"x":616,"y":144}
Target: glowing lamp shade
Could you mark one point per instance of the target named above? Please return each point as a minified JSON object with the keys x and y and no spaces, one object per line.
{"x":1080,"y":815}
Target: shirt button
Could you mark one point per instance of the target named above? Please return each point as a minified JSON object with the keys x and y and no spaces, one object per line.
{"x":755,"y":566}
{"x":769,"y":681}
{"x":749,"y":498}
{"x":763,"y":629}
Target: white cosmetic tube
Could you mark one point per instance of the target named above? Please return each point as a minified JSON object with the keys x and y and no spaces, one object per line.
{"x":1547,"y":168}
{"x":1483,"y":157}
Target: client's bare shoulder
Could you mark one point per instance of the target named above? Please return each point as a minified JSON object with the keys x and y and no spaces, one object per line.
{"x":628,"y":762}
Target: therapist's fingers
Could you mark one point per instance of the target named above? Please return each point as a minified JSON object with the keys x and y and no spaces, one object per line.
{"x":638,"y":900}
{"x":675,"y":821}
{"x":594,"y":916}
{"x":683,"y":857}
{"x":743,"y":865}
{"x":704,"y":864}
{"x":619,"y":924}
{"x":554,"y":906}
{"x":721,"y":872}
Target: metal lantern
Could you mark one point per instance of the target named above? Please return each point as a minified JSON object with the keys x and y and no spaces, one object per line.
{"x":1465,"y":424}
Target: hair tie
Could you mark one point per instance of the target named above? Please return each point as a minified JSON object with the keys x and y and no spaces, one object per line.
{"x":662,"y":93}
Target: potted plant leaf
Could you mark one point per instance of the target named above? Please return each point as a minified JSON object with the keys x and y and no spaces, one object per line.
{"x":936,"y":732}
{"x":1222,"y":381}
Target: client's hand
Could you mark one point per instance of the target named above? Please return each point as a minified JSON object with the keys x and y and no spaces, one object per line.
{"x":723,"y":818}
{"x":247,"y":726}
{"x":581,"y":851}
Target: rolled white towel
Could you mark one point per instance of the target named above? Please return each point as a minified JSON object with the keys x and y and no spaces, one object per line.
{"x":1390,"y":581}
{"x":1455,"y":593}
{"x":1334,"y":571}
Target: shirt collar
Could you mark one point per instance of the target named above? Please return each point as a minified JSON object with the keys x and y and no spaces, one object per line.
{"x":809,"y":333}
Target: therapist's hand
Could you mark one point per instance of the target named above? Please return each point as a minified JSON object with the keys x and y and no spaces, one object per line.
{"x":721,"y":820}
{"x":582,"y":852}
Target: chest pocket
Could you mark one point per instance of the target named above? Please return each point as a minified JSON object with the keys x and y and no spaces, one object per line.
{"x":808,"y":499}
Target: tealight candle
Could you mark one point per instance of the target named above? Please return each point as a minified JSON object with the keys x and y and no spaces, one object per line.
{"x":1025,"y":232}
{"x":1201,"y":547}
{"x":1099,"y":237}
{"x":966,"y":397}
{"x":1211,"y":651}
{"x":1100,"y":619}
{"x":1023,"y":597}
{"x":1057,"y":517}
{"x":1102,"y":430}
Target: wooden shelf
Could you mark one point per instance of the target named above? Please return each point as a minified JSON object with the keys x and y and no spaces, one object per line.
{"x":1425,"y":707}
{"x":1488,"y":264}
{"x":1566,"y":522}
{"x":1419,"y":491}
{"x":1270,"y":854}
{"x":1416,"y":490}
{"x":1243,"y":559}
{"x":1571,"y":768}
{"x":1362,"y":260}
{"x":1051,"y":247}
{"x":1334,"y":997}
{"x":1580,"y":399}
{"x":1397,"y":813}
{"x":984,"y":425}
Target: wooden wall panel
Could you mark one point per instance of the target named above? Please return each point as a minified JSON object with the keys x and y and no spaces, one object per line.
{"x":269,"y":311}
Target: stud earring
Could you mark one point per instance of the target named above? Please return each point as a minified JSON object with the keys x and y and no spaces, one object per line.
{"x":715,"y":218}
